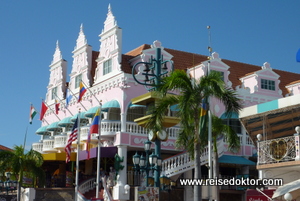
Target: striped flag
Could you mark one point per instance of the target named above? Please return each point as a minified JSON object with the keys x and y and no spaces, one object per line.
{"x":82,"y":91}
{"x":94,"y":128}
{"x":32,"y":113}
{"x":203,"y":117}
{"x":72,"y":137}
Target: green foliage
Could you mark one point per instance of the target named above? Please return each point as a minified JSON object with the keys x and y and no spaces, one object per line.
{"x":18,"y":162}
{"x":191,"y":92}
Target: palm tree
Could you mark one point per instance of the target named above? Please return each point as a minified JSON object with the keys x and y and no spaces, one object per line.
{"x":18,"y":162}
{"x":221,"y":129}
{"x":191,"y":93}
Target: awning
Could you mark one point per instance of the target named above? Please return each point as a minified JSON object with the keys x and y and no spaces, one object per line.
{"x":230,"y":115}
{"x":238,"y":160}
{"x":293,"y":188}
{"x":58,"y":156}
{"x":174,"y":108}
{"x":66,"y":121}
{"x":105,"y":152}
{"x":42,"y":130}
{"x":110,"y":104}
{"x":82,"y":116}
{"x":54,"y":126}
{"x":135,"y":105}
{"x":91,"y":112}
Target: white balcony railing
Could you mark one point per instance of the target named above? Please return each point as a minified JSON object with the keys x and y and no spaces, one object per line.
{"x":278,"y":150}
{"x":48,"y":145}
{"x":183,"y":162}
{"x":37,"y":146}
{"x":108,"y":128}
{"x":60,"y":141}
{"x":134,"y":128}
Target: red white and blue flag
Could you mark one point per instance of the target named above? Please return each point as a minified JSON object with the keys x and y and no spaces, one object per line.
{"x":72,"y":137}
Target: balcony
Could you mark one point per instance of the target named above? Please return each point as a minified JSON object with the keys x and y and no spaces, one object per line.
{"x":37,"y":146}
{"x":60,"y":141}
{"x":48,"y":145}
{"x":84,"y":132}
{"x":53,"y":144}
{"x":278,"y":150}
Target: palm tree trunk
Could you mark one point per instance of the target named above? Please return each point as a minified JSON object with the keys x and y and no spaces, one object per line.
{"x":197,"y":188}
{"x":216,"y":168}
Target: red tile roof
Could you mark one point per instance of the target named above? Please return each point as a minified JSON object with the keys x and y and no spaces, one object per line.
{"x":3,"y":148}
{"x":184,"y":60}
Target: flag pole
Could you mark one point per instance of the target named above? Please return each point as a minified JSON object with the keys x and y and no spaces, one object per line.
{"x":91,"y":92}
{"x":77,"y":157}
{"x":98,"y":155}
{"x":210,"y":170}
{"x":77,"y":98}
{"x":51,"y":109}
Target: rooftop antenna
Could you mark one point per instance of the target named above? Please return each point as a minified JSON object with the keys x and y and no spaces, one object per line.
{"x":209,"y":42}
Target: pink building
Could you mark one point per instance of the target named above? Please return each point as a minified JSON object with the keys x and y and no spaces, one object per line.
{"x":107,"y":76}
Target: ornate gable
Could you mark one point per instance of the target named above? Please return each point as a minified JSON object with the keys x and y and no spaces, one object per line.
{"x":216,"y":64}
{"x":58,"y":74}
{"x":110,"y":53}
{"x":82,"y":62}
{"x":264,"y":81}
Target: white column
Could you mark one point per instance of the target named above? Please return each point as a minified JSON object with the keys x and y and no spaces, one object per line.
{"x":123,"y":122}
{"x":119,"y":191}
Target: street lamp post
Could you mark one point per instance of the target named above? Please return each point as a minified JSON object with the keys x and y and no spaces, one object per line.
{"x":154,"y":69}
{"x":151,"y":162}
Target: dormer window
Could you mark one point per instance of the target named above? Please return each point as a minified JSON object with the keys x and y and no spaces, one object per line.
{"x":78,"y":79}
{"x":268,"y":84}
{"x":107,"y":67}
{"x":221,"y":73}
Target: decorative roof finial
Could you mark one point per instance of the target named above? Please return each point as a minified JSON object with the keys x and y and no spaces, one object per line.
{"x":57,"y":45}
{"x":109,"y":8}
{"x":81,"y":28}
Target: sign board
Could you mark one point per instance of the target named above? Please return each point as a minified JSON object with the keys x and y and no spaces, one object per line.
{"x":146,"y":193}
{"x":254,"y":195}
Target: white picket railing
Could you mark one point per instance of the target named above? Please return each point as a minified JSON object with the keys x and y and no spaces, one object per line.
{"x":87,"y":185}
{"x":182,"y":162}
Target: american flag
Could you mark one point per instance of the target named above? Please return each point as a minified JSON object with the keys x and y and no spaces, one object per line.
{"x":72,"y":137}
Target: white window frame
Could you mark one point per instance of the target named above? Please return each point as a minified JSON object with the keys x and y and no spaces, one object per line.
{"x":267,"y":84}
{"x":53,"y":93}
{"x":107,"y":66}
{"x":78,"y":79}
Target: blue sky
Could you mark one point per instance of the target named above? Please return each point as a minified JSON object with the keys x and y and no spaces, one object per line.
{"x":246,"y":31}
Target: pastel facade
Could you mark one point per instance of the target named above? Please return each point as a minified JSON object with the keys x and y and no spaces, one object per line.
{"x":107,"y":76}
